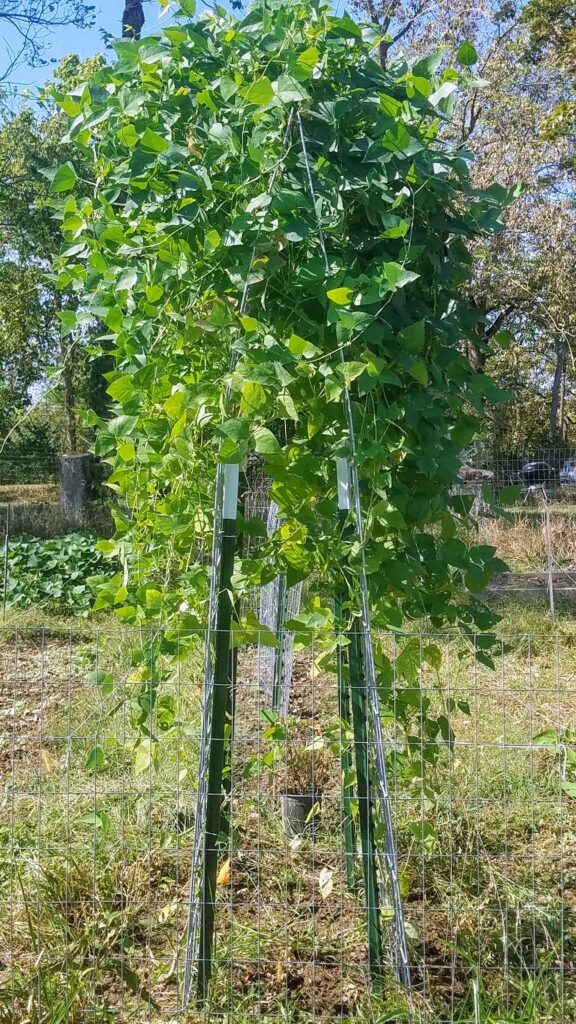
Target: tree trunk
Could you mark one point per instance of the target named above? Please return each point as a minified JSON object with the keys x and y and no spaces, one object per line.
{"x":132,"y":19}
{"x":557,"y":387}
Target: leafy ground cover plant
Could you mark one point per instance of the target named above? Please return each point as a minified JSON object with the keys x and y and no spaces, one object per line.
{"x":53,"y":572}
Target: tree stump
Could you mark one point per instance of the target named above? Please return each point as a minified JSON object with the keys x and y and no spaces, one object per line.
{"x":76,"y":480}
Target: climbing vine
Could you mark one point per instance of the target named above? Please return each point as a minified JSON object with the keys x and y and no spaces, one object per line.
{"x":200,"y":194}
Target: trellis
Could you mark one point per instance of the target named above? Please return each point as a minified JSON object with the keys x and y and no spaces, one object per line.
{"x":358,"y":702}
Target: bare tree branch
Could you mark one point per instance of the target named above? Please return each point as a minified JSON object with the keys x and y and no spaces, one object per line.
{"x":30,"y":22}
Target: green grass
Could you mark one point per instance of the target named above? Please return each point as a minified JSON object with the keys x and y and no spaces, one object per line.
{"x":94,"y":862}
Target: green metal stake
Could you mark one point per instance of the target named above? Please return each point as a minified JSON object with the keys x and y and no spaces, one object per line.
{"x":222,"y":701}
{"x":5,"y":589}
{"x":360,"y":728}
{"x":344,"y":694}
{"x":279,"y":653}
{"x":359,"y":718}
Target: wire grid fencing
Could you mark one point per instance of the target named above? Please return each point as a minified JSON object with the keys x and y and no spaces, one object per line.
{"x":28,"y":468}
{"x":538,"y":540}
{"x":554,"y":466}
{"x":98,"y":790}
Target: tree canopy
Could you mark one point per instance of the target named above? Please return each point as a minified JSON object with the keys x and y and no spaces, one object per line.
{"x":511,"y":121}
{"x":30,"y":337}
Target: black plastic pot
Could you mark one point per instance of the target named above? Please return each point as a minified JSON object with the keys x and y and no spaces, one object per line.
{"x":297,"y":816}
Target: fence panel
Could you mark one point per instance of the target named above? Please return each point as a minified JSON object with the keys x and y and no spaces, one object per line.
{"x":99,"y":752}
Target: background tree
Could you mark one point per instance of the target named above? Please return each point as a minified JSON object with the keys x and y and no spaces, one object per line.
{"x":31,"y":302}
{"x":523,"y":276}
{"x":133,"y":19}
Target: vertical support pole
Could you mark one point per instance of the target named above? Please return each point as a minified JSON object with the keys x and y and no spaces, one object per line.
{"x":279,"y":652}
{"x":344,"y":691}
{"x":222,"y":702}
{"x":5,"y":590}
{"x":357,"y":693}
{"x":549,"y":558}
{"x":359,"y":719}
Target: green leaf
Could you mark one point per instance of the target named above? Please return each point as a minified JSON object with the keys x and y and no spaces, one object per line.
{"x":212,"y":241}
{"x":227,"y":87}
{"x":296,"y":230}
{"x":345,"y":27}
{"x":97,"y":820}
{"x":413,"y":338}
{"x":389,"y":105}
{"x":308,"y":59}
{"x":249,"y":323}
{"x":287,"y":407}
{"x":121,"y":389}
{"x":127,"y":451}
{"x":409,"y":661}
{"x":432,"y":655}
{"x":178,"y":426}
{"x":95,"y":759}
{"x":64,"y":179}
{"x":265,"y":442}
{"x":289,"y":90}
{"x":351,"y":370}
{"x":145,"y":755}
{"x":154,"y":142}
{"x":251,"y":631}
{"x":428,"y":65}
{"x":569,"y":788}
{"x":510,"y":494}
{"x":442,"y":93}
{"x":300,"y":347}
{"x":253,"y":398}
{"x":69,"y":319}
{"x":419,"y":372}
{"x":114,"y":319}
{"x":173,"y":405}
{"x":341,"y":296}
{"x":397,"y":276}
{"x":104,"y":681}
{"x":236,"y":429}
{"x":259,"y":92}
{"x":549,"y":738}
{"x":467,"y":54}
{"x":128,"y":135}
{"x":127,"y":280}
{"x":153,"y":598}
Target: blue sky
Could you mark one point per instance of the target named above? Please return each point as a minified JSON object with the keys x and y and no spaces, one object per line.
{"x":83,"y":42}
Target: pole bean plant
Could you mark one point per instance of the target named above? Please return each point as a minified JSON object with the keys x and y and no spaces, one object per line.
{"x":198,"y":139}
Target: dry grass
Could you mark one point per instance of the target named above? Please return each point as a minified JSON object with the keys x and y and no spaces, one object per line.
{"x":28,"y":494}
{"x":523,"y":545}
{"x":104,"y":913}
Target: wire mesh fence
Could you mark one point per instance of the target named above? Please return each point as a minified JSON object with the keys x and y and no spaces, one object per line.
{"x":549,"y":470}
{"x":536,"y":539}
{"x":28,"y":468}
{"x":99,"y":754}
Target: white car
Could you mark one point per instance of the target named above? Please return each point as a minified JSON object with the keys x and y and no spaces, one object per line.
{"x":568,"y":471}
